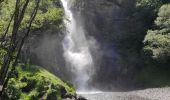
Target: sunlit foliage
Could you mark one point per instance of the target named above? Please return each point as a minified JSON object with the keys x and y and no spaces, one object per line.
{"x":157,"y":40}
{"x":50,"y":12}
{"x":30,"y":82}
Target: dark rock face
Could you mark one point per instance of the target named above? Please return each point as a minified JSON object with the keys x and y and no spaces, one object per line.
{"x":103,"y":17}
{"x":44,"y":48}
{"x":109,"y":22}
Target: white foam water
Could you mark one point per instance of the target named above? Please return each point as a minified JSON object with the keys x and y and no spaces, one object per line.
{"x":76,"y":50}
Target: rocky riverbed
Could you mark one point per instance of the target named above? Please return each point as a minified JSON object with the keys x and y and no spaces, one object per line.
{"x":146,"y":94}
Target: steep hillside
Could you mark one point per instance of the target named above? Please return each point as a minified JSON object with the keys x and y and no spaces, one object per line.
{"x":31,"y":82}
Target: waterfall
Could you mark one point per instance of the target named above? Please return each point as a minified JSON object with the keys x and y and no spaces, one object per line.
{"x":76,"y":51}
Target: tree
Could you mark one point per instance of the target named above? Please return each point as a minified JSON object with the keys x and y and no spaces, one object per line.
{"x":157,"y":40}
{"x":15,"y":45}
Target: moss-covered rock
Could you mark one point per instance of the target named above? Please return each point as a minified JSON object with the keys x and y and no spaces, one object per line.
{"x":32,"y":83}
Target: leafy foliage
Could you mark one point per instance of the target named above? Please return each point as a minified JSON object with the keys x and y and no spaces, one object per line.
{"x":2,"y":54}
{"x":33,"y":83}
{"x":157,"y":41}
{"x":50,"y":12}
{"x":155,"y":71}
{"x":147,"y":11}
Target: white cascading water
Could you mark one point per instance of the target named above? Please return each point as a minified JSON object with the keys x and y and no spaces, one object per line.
{"x":76,"y":51}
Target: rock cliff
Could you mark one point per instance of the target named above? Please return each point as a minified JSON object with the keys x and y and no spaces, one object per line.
{"x":110,"y":23}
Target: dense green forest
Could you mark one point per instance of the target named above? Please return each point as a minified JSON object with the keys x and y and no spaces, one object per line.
{"x":149,"y":45}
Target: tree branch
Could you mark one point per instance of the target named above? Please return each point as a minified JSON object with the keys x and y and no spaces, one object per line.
{"x":32,"y":17}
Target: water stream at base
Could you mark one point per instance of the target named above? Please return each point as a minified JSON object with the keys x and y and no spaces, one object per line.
{"x":76,"y":50}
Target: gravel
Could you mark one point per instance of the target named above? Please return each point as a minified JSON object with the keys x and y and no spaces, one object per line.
{"x":146,"y":94}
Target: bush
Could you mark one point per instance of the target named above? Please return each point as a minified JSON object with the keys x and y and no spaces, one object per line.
{"x":157,"y":41}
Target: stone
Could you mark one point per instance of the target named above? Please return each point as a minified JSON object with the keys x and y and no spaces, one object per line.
{"x":81,"y":98}
{"x":1,"y":87}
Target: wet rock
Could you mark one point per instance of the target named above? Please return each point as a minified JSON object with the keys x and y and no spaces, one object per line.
{"x":63,"y":92}
{"x":81,"y":98}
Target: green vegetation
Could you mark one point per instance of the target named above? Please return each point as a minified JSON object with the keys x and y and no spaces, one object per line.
{"x":156,"y":50}
{"x":157,"y":40}
{"x":31,"y":82}
{"x":50,"y":14}
{"x":28,"y":82}
{"x":147,"y":10}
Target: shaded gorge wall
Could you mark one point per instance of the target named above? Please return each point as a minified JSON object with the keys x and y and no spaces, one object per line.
{"x":112,"y":24}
